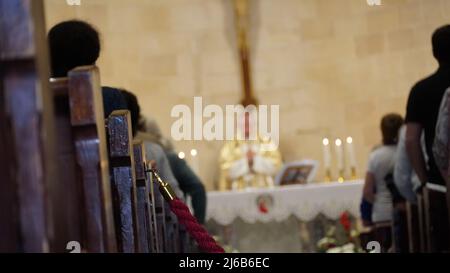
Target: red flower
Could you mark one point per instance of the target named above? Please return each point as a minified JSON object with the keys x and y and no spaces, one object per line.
{"x":345,"y":221}
{"x":263,"y":208}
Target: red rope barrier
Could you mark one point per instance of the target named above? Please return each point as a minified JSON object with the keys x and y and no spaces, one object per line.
{"x":205,"y":242}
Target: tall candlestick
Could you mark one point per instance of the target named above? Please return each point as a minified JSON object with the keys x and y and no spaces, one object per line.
{"x":327,"y":158}
{"x":195,"y":163}
{"x":340,"y":160}
{"x":351,"y":156}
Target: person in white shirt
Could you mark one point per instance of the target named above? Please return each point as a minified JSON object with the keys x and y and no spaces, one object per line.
{"x":381,"y":164}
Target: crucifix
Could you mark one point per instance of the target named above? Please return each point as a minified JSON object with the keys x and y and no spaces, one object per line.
{"x":247,"y":151}
{"x":242,"y":23}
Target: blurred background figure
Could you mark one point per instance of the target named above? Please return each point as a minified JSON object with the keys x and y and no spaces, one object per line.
{"x":189,"y":182}
{"x":153,"y":150}
{"x":248,"y":161}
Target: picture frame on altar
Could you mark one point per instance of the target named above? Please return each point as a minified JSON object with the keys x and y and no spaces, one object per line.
{"x":297,"y":173}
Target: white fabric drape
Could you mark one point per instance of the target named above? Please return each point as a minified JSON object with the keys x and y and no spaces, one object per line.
{"x":303,"y":201}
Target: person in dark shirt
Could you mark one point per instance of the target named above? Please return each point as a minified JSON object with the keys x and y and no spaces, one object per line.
{"x":421,"y":116}
{"x":423,"y":108}
{"x":76,"y":43}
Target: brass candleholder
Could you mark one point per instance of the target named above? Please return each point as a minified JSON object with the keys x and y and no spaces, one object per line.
{"x":353,"y":172}
{"x":328,"y":175}
{"x":341,"y":178}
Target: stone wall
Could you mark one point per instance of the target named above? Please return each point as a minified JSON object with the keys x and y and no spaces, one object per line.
{"x":334,"y":66}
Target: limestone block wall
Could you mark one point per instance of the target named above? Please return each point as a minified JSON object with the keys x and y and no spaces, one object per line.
{"x":334,"y":66}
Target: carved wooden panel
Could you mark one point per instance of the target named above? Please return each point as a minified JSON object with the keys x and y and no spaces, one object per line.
{"x":436,"y":226}
{"x":156,"y":234}
{"x":172,"y":231}
{"x":86,"y":111}
{"x":66,"y":192}
{"x":413,"y":228}
{"x":145,"y":225}
{"x":184,"y":240}
{"x":124,"y":181}
{"x":160,"y":211}
{"x":26,"y":127}
{"x":422,"y":222}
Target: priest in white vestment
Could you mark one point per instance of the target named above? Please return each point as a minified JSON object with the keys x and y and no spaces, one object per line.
{"x":248,"y":162}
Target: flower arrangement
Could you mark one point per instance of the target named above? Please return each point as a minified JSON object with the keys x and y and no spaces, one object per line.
{"x":347,"y":243}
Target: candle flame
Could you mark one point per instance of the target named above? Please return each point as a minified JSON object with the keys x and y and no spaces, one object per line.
{"x":338,"y":142}
{"x":326,"y":142}
{"x":349,"y":140}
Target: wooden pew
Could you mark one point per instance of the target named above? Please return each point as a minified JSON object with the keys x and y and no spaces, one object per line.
{"x":26,"y":128}
{"x":145,"y":225}
{"x":414,"y":234}
{"x":435,"y":218}
{"x":173,"y":237}
{"x":157,"y":240}
{"x":65,"y":195}
{"x":78,"y":151}
{"x":160,"y":216}
{"x":172,"y":231}
{"x":140,"y":237}
{"x":422,"y":223}
{"x":185,"y":241}
{"x":81,"y":198}
{"x":123,"y":181}
{"x":400,"y":238}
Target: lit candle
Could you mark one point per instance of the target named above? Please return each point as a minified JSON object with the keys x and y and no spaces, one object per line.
{"x":195,"y":164}
{"x":326,"y":154}
{"x":351,"y":156}
{"x":340,"y":159}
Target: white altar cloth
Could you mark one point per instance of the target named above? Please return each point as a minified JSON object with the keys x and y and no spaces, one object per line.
{"x":303,"y":201}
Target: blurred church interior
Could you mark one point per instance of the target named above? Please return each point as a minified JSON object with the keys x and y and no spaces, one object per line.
{"x":335,"y":68}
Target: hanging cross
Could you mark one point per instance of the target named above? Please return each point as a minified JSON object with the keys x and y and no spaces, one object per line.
{"x":242,"y":24}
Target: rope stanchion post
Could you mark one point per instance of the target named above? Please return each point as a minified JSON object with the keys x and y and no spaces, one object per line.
{"x":205,"y":242}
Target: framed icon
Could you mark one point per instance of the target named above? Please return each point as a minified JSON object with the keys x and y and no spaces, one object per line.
{"x":298,"y":172}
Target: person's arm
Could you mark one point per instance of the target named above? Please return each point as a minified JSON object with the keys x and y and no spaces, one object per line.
{"x":369,"y":186}
{"x":192,"y":186}
{"x":403,"y":170}
{"x":414,"y":150}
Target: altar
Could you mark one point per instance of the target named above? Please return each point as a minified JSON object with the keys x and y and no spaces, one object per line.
{"x":281,"y":219}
